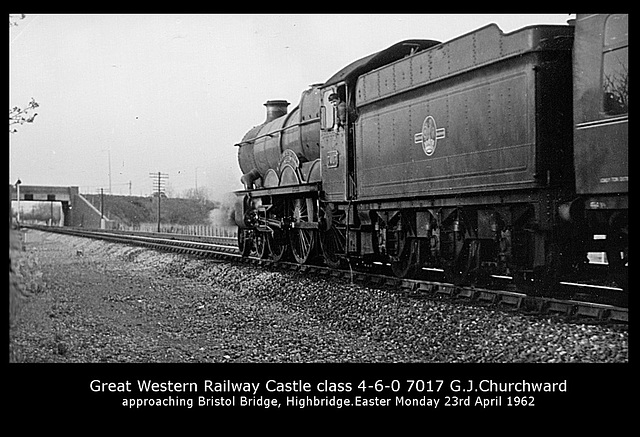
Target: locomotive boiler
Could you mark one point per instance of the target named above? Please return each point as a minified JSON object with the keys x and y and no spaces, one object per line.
{"x":488,"y":155}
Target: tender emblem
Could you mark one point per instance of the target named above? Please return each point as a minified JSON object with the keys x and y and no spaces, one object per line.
{"x":429,"y":136}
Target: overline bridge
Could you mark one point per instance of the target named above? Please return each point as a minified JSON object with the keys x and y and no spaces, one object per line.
{"x":76,"y":210}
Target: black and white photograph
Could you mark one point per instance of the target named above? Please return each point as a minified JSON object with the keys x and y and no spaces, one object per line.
{"x":344,"y":212}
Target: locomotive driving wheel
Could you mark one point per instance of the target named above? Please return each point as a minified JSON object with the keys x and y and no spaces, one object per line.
{"x":260,"y":245}
{"x":276,"y":239}
{"x":333,"y":236}
{"x":302,"y":239}
{"x":277,"y":245}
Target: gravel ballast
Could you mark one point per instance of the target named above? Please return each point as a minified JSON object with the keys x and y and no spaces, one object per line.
{"x":103,"y":302}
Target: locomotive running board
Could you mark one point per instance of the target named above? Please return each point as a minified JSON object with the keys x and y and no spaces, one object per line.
{"x":291,"y":189}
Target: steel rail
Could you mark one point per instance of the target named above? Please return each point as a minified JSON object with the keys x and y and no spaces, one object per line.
{"x":225,"y":248}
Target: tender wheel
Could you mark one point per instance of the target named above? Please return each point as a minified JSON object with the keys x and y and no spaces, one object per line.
{"x":403,"y":248}
{"x":406,"y":264}
{"x":467,"y":268}
{"x":333,"y":237}
{"x":302,"y":241}
{"x":541,"y":280}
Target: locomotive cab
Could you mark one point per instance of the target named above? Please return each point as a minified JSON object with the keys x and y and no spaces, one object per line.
{"x":336,"y":143}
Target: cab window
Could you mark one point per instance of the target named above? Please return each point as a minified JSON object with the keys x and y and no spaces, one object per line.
{"x":327,"y":111}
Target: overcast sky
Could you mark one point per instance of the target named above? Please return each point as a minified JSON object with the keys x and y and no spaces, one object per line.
{"x":174,"y":93}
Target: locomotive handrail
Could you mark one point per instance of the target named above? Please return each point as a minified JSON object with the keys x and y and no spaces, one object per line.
{"x":271,"y":134}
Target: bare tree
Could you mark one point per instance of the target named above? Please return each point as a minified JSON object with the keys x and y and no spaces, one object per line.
{"x":616,"y":89}
{"x":13,"y":19}
{"x":19,"y":115}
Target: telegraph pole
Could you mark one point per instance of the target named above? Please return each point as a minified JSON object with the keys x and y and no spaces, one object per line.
{"x":101,"y":203}
{"x":158,"y":185}
{"x":109,"y":162}
{"x":18,"y":182}
{"x":102,"y":208}
{"x":110,"y":190}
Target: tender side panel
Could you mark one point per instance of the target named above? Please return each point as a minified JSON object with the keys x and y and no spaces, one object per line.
{"x":463,"y":116}
{"x":473,"y":132}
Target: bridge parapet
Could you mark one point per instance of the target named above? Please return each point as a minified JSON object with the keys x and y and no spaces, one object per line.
{"x":44,"y":193}
{"x":77,"y":210}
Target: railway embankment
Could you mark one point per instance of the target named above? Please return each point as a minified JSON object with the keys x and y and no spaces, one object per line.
{"x":94,"y":301}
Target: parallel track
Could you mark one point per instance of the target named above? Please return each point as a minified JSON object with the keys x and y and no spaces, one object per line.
{"x":225,"y":248}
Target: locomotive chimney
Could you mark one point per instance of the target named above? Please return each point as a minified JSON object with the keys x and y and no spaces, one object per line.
{"x":275,"y":109}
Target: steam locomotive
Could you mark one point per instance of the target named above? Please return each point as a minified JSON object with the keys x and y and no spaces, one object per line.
{"x":492,"y":154}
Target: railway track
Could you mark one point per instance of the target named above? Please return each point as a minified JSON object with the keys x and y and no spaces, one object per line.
{"x":225,"y":248}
